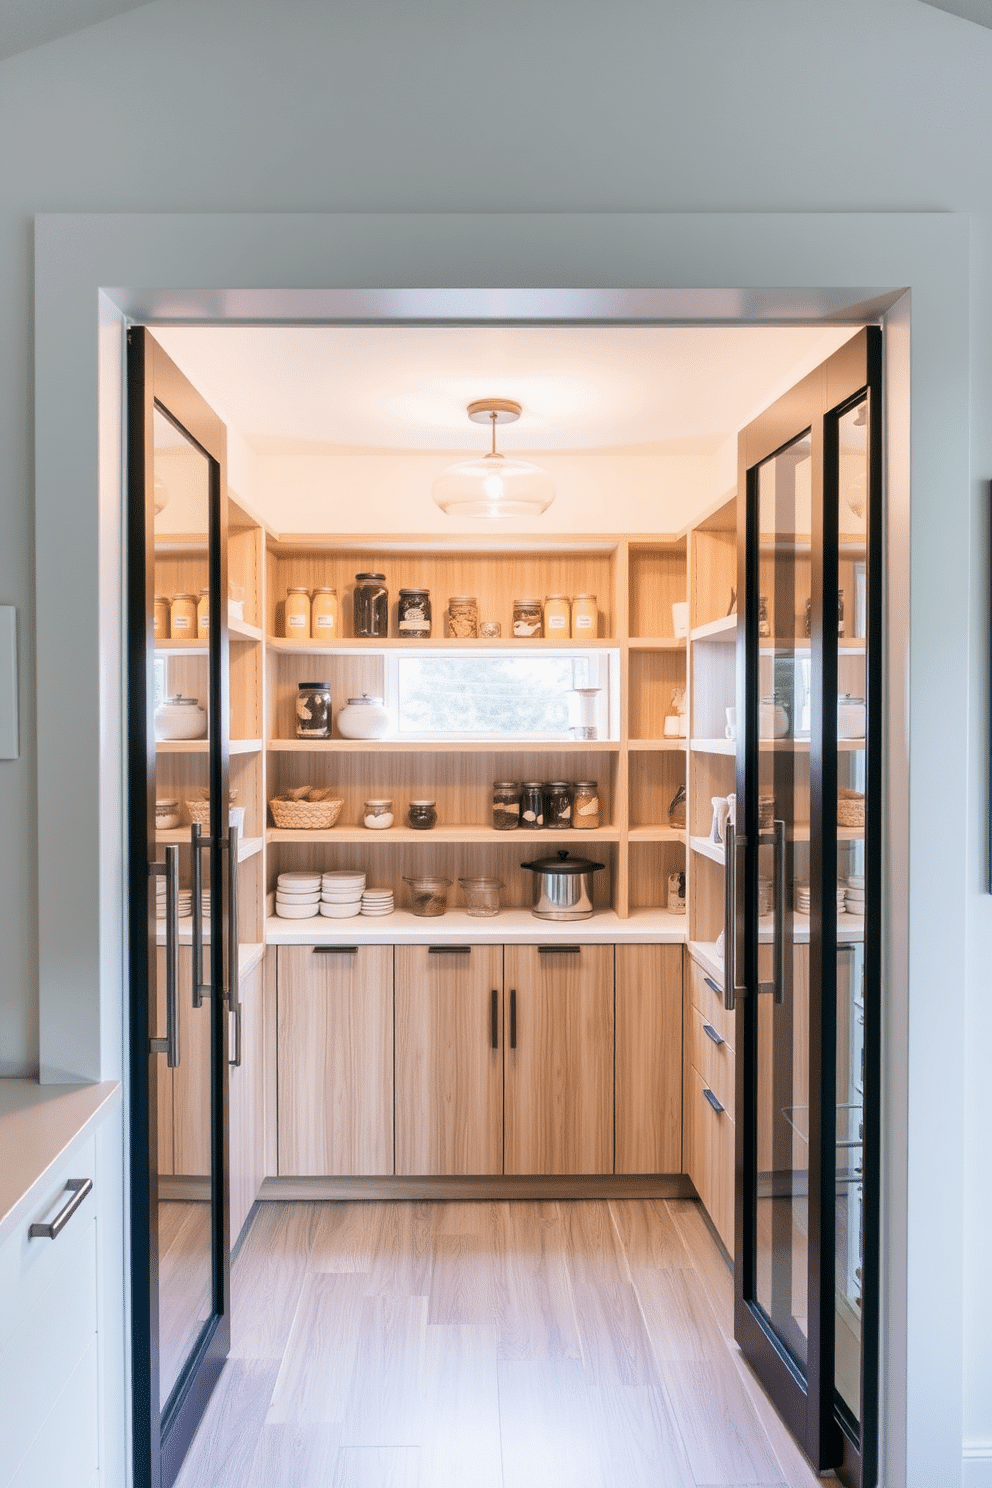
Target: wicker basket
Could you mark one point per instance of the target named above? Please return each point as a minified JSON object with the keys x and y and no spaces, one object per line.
{"x":198,"y":811}
{"x":850,"y":808}
{"x":311,"y":816}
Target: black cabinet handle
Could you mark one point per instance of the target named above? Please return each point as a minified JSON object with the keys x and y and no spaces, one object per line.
{"x":513,"y":1017}
{"x":332,"y":950}
{"x":713,"y":986}
{"x":447,"y":950}
{"x":495,"y":1018}
{"x":556,"y":950}
{"x":712,"y":1100}
{"x":711,"y":1033}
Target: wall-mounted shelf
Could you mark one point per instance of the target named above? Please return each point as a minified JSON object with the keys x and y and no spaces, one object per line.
{"x":530,"y":843}
{"x":443,"y":746}
{"x":201,"y":746}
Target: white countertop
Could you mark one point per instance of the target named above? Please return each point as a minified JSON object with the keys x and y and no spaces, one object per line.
{"x":38,"y":1123}
{"x":509,"y":927}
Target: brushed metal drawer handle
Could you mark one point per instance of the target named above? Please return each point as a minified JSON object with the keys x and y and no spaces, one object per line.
{"x":78,"y":1188}
{"x":718,"y":1108}
{"x":711,"y":1033}
{"x":713,"y":986}
{"x":333,"y":950}
{"x":446,"y":950}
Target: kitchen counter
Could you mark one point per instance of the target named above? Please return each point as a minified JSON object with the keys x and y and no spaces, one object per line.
{"x":38,"y":1125}
{"x":509,"y":927}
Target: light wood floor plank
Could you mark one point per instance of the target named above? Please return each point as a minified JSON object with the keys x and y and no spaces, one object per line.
{"x":616,"y":1349}
{"x":385,"y":1403}
{"x":463,"y":1283}
{"x":463,"y":1217}
{"x":679,"y":1318}
{"x":592,"y":1243}
{"x":461,"y":1442}
{"x":649,"y":1235}
{"x":315,"y":1379}
{"x":295,"y":1456}
{"x":640,"y":1444}
{"x":377,"y":1467}
{"x":723,"y":1439}
{"x":708,"y":1260}
{"x":269,"y":1271}
{"x":795,"y":1468}
{"x":402,"y":1251}
{"x":342,"y":1236}
{"x":535,"y":1312}
{"x":224,"y":1447}
{"x":547,"y":1430}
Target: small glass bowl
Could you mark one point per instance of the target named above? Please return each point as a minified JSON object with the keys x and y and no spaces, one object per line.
{"x":428,"y":896}
{"x":481,"y":895}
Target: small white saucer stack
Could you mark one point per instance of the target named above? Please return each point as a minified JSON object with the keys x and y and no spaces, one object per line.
{"x":341,"y":894}
{"x":854,"y":894}
{"x":377,"y":902}
{"x":298,"y":896}
{"x":185,"y":901}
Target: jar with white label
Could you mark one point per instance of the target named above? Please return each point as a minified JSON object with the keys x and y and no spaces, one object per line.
{"x":182,"y":618}
{"x":203,"y":616}
{"x":528,"y":618}
{"x":413,"y":614}
{"x":163,"y":609}
{"x":585,"y":617}
{"x":298,"y":614}
{"x":324,"y":615}
{"x":557,"y":617}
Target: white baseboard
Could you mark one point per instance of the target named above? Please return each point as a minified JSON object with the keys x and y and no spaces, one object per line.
{"x":976,"y":1465}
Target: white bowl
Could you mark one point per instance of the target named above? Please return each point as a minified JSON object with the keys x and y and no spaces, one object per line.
{"x":343,"y":876}
{"x":297,"y":901}
{"x":299,"y":880}
{"x":296,"y":911}
{"x":339,"y":911}
{"x":297,"y":893}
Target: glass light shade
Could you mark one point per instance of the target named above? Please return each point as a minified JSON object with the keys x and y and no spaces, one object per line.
{"x":494,"y":487}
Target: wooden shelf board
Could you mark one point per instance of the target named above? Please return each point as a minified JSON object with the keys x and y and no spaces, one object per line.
{"x":656,"y":745}
{"x":767,"y":746}
{"x":249,"y":957}
{"x":443,"y":746}
{"x":295,"y":544}
{"x":708,"y":849}
{"x":510,"y":926}
{"x":723,"y":630}
{"x":713,"y":746}
{"x":182,"y":648}
{"x":656,"y":834}
{"x":528,"y":842}
{"x":657,"y":643}
{"x":240,"y":630}
{"x":200,"y":746}
{"x":347,"y":646}
{"x":247,"y":846}
{"x":800,"y":646}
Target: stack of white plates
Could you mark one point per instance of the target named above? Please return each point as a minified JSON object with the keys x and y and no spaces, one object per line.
{"x":802,"y":898}
{"x":377,"y":902}
{"x":297,"y":896}
{"x":341,"y":894}
{"x":841,"y":896}
{"x":185,"y":901}
{"x":855,"y":894}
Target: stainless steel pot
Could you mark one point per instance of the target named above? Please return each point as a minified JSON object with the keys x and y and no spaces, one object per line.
{"x":562,"y":887}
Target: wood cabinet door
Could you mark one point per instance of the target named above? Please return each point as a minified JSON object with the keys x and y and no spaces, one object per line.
{"x":648,"y":1093}
{"x":191,"y":1125}
{"x":558,"y":1053}
{"x":449,"y":1059}
{"x":246,"y":1105}
{"x":335,"y":1060}
{"x":164,"y":1079}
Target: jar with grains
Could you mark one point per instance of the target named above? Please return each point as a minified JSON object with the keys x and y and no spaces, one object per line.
{"x":506,"y":805}
{"x":528,"y":618}
{"x":313,"y":711}
{"x":371,"y":605}
{"x":585,"y":805}
{"x":163,"y":607}
{"x":203,"y":616}
{"x":182,"y":617}
{"x":324,"y":615}
{"x":463,"y":617}
{"x":422,"y":815}
{"x":557,"y":617}
{"x":532,"y":804}
{"x":585,"y":617}
{"x":414,"y":614}
{"x":557,"y":804}
{"x":298,"y":614}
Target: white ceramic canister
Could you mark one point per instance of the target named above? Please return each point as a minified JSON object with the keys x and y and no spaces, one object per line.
{"x":363,"y":718}
{"x":180,"y":718}
{"x":773,"y":719}
{"x":851,"y":717}
{"x":583,"y":706}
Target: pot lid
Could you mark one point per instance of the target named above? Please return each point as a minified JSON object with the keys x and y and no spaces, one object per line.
{"x":180,"y":702}
{"x":562,"y":862}
{"x":365,"y":701}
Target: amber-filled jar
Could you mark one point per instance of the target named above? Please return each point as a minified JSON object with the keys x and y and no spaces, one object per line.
{"x":585,"y":805}
{"x":585,"y":617}
{"x":463,"y":617}
{"x":557,"y":617}
{"x":298,"y":614}
{"x":371,"y":604}
{"x":182,"y":618}
{"x":203,"y":616}
{"x":163,"y":607}
{"x":324,"y":615}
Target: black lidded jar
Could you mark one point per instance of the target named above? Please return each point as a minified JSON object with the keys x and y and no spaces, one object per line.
{"x":532,"y":804}
{"x":371,"y":606}
{"x":313,"y":711}
{"x":414,"y":614}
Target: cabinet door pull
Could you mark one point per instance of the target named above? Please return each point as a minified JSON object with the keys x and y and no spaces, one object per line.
{"x":494,"y":1018}
{"x":169,"y":1046}
{"x":447,"y":950}
{"x":332,"y":950}
{"x":718,"y":1108}
{"x":711,"y":1033}
{"x":235,"y":1063}
{"x":713,"y":986}
{"x":558,"y":950}
{"x":78,"y":1188}
{"x":513,"y":1017}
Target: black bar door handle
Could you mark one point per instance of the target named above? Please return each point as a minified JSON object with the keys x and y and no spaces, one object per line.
{"x":332,"y":950}
{"x":556,"y":950}
{"x":513,"y":1017}
{"x":447,"y":950}
{"x":494,"y":1018}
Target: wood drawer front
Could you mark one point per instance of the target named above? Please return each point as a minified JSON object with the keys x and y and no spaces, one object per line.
{"x":710,"y":1002}
{"x":712,"y":1158}
{"x":648,"y":1085}
{"x":335,"y":1061}
{"x":714,"y":1061}
{"x":48,"y":1359}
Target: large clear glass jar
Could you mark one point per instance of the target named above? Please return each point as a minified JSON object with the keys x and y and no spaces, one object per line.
{"x":532,"y":804}
{"x":298,"y":614}
{"x":413,"y":614}
{"x":557,"y":804}
{"x":528,"y":618}
{"x":182,"y":618}
{"x":585,"y":805}
{"x":506,"y":805}
{"x":324,"y":615}
{"x":371,"y":606}
{"x":557,"y":617}
{"x":463,"y":617}
{"x":313,"y":711}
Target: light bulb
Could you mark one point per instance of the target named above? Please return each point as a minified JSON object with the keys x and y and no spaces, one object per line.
{"x":493,"y":487}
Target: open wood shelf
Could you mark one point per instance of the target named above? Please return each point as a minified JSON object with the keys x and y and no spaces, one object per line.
{"x":444,"y":746}
{"x":247,"y":846}
{"x":529,"y":842}
{"x":201,"y":746}
{"x":510,"y":926}
{"x":380,"y":645}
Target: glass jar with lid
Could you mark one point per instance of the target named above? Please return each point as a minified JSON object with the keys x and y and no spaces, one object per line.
{"x":163,"y":607}
{"x":585,"y":805}
{"x":298,"y":614}
{"x":532,"y":804}
{"x":506,"y":805}
{"x":371,"y":606}
{"x":557,"y":617}
{"x":585,"y":617}
{"x":422,"y":815}
{"x":324,"y":615}
{"x":313,"y":711}
{"x":557,"y":804}
{"x":203,"y":616}
{"x":463,"y":617}
{"x":414,"y":614}
{"x":182,"y":617}
{"x":528,"y":618}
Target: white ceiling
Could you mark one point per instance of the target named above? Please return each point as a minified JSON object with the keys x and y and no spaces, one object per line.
{"x":307,"y":389}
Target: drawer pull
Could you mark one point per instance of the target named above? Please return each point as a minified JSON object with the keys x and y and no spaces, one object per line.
{"x":495,"y":1018}
{"x":78,"y":1188}
{"x":713,"y":986}
{"x":711,"y":1033}
{"x":332,"y":950}
{"x":447,"y":950}
{"x":513,"y":1017}
{"x":556,"y":950}
{"x":718,"y":1108}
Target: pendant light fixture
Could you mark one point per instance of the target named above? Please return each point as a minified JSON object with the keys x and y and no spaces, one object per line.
{"x":493,"y":486}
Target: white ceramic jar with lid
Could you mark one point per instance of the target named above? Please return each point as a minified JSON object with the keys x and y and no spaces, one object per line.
{"x":363,"y":718}
{"x":851,"y":717}
{"x":180,"y":718}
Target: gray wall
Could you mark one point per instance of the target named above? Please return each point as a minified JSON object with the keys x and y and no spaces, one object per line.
{"x":543,"y":105}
